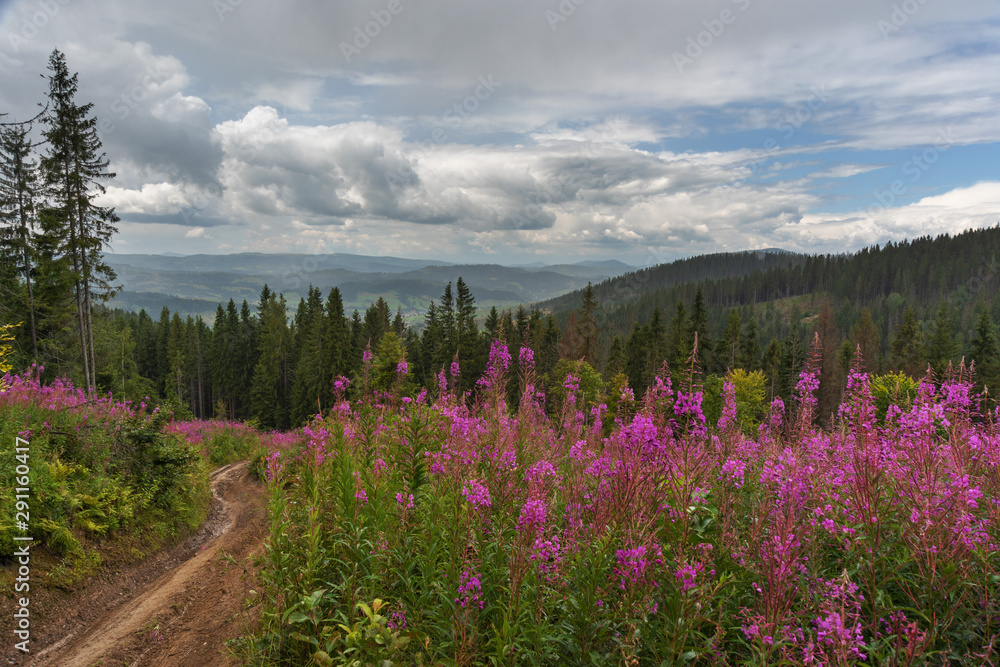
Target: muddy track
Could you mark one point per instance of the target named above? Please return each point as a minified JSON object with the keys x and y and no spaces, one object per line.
{"x":179,"y":607}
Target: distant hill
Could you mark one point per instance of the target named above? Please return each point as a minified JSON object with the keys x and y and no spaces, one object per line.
{"x":153,"y":303}
{"x":625,"y":287}
{"x":273,"y":264}
{"x":961,"y":271}
{"x":407,"y":284}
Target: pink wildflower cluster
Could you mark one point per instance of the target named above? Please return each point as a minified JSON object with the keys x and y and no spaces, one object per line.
{"x":470,"y":590}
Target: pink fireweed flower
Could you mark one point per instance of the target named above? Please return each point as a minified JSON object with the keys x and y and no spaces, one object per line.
{"x":633,"y":564}
{"x":534,"y":516}
{"x":526,"y":357}
{"x":397,"y":620}
{"x":540,"y":470}
{"x":497,"y":367}
{"x":469,"y":590}
{"x":547,"y":554}
{"x":688,"y":405}
{"x":477,"y":494}
{"x":401,"y":367}
{"x":733,"y":470}
{"x":687,"y":576}
{"x":728,"y":418}
{"x":404,"y":502}
{"x":499,"y":356}
{"x":274,"y":466}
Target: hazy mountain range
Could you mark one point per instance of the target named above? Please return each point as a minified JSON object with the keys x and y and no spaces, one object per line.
{"x":195,"y":284}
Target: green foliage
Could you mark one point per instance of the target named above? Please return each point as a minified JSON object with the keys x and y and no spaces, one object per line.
{"x":589,"y":380}
{"x":387,"y":373}
{"x":97,"y":472}
{"x":5,"y":348}
{"x":896,"y":389}
{"x":751,"y":392}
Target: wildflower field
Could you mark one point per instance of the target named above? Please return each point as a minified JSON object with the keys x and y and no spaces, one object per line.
{"x":432,"y":531}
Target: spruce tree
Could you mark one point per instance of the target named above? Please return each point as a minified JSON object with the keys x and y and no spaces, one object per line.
{"x":54,"y":289}
{"x":864,"y":335}
{"x":730,"y":344}
{"x":18,"y":178}
{"x":73,"y":170}
{"x":338,"y":336}
{"x":311,"y":391}
{"x":617,"y":358}
{"x":269,"y":391}
{"x":985,"y":352}
{"x":750,"y":347}
{"x":941,"y":347}
{"x":907,"y":352}
{"x":586,"y":328}
{"x":700,"y":326}
{"x":678,"y":345}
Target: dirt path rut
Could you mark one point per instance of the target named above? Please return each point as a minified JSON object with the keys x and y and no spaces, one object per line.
{"x":181,"y":608}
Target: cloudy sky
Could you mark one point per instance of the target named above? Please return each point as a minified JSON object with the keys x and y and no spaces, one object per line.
{"x":528,"y":130}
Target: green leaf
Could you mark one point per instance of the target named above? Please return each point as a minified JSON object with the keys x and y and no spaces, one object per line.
{"x":303,"y":638}
{"x":322,"y":658}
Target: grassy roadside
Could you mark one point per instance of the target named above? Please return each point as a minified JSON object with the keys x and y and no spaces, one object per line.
{"x":110,"y":483}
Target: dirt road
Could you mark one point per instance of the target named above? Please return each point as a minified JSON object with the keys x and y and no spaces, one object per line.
{"x":177,"y":608}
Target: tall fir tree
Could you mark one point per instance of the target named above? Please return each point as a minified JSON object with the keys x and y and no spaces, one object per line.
{"x":750,"y":347}
{"x":678,"y":344}
{"x":269,"y":390}
{"x":700,"y":326}
{"x":941,"y":347}
{"x":73,"y":169}
{"x":587,"y":330}
{"x":864,"y":335}
{"x":311,"y":390}
{"x":18,"y":193}
{"x":985,"y":352}
{"x":907,"y":350}
{"x":730,"y":344}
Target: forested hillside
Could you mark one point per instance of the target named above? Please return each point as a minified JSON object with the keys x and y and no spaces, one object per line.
{"x":903,"y":306}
